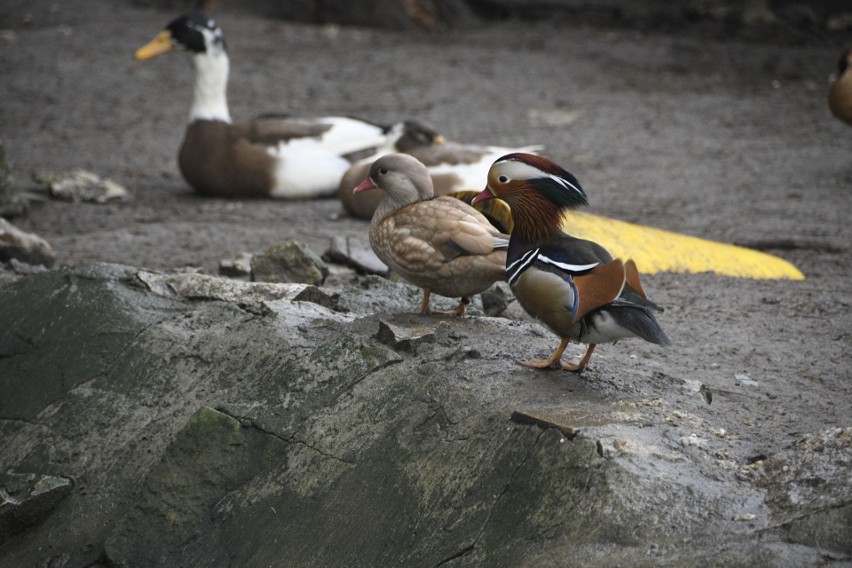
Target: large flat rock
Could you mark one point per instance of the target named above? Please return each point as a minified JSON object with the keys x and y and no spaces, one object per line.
{"x":211,"y":422}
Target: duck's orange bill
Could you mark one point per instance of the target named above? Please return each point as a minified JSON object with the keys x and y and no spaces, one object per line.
{"x":160,"y":44}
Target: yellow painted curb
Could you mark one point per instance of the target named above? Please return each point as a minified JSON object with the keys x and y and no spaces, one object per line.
{"x":656,"y":250}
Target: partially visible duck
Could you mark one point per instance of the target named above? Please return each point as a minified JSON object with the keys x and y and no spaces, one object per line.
{"x":453,"y":166}
{"x":840,"y":92}
{"x":439,"y":244}
{"x":270,"y":156}
{"x":572,"y":285}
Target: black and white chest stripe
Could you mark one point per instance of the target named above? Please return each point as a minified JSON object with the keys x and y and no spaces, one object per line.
{"x":516,"y":268}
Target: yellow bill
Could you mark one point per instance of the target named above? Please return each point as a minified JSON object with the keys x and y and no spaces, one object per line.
{"x":160,"y":44}
{"x":655,"y":250}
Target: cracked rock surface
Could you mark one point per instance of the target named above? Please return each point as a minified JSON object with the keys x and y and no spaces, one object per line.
{"x":204,"y":421}
{"x":182,"y":419}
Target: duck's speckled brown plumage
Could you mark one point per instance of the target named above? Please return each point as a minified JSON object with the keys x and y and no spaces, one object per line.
{"x":437,"y":243}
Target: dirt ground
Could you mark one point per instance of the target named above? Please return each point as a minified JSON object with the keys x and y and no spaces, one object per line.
{"x":711,"y":135}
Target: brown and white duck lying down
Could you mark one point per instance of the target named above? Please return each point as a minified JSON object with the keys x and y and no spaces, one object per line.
{"x":439,"y":244}
{"x":271,"y":156}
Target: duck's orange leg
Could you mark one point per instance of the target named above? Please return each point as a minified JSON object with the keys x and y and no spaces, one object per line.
{"x":425,"y":310}
{"x":555,"y":361}
{"x":424,"y":305}
{"x":457,"y":311}
{"x":578,"y":367}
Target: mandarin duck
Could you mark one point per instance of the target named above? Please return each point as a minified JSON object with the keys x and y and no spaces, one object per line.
{"x":453,"y":166}
{"x":572,"y":285}
{"x":840,"y":92}
{"x":269,"y":155}
{"x":439,"y":244}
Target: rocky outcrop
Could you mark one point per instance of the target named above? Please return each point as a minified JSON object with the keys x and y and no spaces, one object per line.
{"x":207,"y":422}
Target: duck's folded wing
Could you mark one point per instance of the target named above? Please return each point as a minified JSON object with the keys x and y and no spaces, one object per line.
{"x":270,"y":130}
{"x":599,"y":287}
{"x":462,"y":230}
{"x":572,"y":255}
{"x":428,"y":234}
{"x":340,"y":135}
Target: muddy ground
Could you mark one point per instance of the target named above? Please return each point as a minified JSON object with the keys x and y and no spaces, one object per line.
{"x":713,"y":135}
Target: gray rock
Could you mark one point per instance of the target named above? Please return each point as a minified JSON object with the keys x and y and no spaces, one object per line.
{"x":354,"y":253}
{"x":27,"y":499}
{"x":23,"y":246}
{"x":81,"y":185}
{"x":495,"y":300}
{"x":289,"y":261}
{"x":237,"y":266}
{"x":809,"y":489}
{"x":203,"y":430}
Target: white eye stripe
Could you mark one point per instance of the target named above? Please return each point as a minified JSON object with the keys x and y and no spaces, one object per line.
{"x":514,"y":169}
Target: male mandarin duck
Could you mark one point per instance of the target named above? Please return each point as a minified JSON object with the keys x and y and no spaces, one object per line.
{"x":840,"y":92}
{"x":439,"y":244}
{"x":572,"y":285}
{"x":453,"y":166}
{"x":271,"y":155}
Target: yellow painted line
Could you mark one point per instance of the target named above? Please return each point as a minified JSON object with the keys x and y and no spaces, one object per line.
{"x":657,"y":250}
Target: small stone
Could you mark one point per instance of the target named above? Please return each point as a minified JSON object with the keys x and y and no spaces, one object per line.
{"x":494,"y":300}
{"x":290,"y":261}
{"x":23,"y":246}
{"x":745,"y":380}
{"x":406,"y":338}
{"x":28,"y":499}
{"x":693,"y":440}
{"x":354,"y":253}
{"x":81,"y":185}
{"x":237,"y":266}
{"x":609,"y":448}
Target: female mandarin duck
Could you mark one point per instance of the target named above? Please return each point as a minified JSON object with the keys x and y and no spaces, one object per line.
{"x":840,"y":92}
{"x":572,"y":285}
{"x":453,"y":166}
{"x":271,"y":156}
{"x":440,"y":244}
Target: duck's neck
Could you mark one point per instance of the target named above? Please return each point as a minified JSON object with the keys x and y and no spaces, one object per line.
{"x":388,"y":205}
{"x":535,"y":218}
{"x":209,"y":101}
{"x":391,"y":203}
